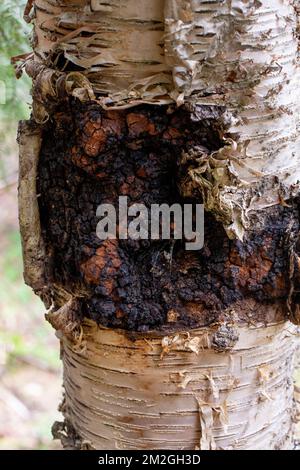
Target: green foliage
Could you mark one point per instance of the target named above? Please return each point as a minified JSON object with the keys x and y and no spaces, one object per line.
{"x":13,"y":29}
{"x":14,"y":40}
{"x":19,"y":307}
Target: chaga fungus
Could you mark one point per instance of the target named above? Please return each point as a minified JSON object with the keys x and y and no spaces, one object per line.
{"x":91,"y":156}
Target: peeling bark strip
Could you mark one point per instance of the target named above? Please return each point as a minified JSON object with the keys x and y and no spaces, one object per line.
{"x":240,"y":55}
{"x":136,"y":394}
{"x":66,"y":322}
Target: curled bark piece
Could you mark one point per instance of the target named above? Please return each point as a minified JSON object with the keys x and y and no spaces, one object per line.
{"x":30,"y":140}
{"x":182,"y":342}
{"x":66,"y":321}
{"x":123,"y":395}
{"x":51,"y":86}
{"x":206,"y":418}
{"x":28,"y":11}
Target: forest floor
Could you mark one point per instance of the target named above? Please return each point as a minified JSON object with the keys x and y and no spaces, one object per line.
{"x":30,"y":371}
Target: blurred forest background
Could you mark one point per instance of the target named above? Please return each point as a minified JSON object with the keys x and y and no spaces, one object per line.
{"x":30,"y":384}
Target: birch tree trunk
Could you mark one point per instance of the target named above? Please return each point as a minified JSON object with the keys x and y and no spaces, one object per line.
{"x":162,"y":102}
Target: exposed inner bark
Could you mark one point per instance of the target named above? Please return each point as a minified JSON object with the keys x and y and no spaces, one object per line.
{"x":90,"y":156}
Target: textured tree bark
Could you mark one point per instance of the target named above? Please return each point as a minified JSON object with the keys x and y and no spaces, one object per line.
{"x":170,"y":102}
{"x":179,"y":392}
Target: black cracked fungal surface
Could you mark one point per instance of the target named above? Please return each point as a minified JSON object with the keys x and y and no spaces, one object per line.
{"x":91,"y":156}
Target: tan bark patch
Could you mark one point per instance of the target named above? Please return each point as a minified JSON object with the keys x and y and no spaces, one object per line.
{"x":124,"y":394}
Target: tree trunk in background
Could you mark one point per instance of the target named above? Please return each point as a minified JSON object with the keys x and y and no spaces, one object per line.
{"x":163,"y":102}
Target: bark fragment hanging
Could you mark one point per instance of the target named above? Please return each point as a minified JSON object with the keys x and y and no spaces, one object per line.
{"x":34,"y":253}
{"x":66,"y":321}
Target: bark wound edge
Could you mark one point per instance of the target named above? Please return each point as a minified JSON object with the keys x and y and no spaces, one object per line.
{"x":34,"y":254}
